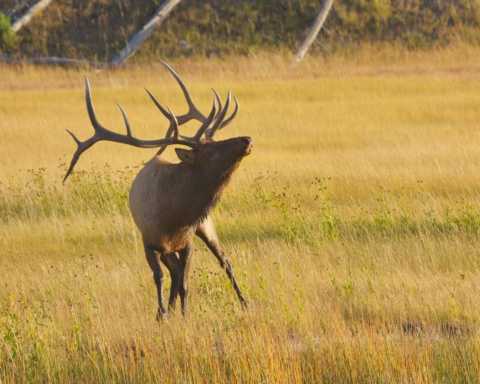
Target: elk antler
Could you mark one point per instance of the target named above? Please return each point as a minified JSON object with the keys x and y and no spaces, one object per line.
{"x":194,"y":113}
{"x":219,"y":121}
{"x":103,"y":134}
{"x":196,"y":139}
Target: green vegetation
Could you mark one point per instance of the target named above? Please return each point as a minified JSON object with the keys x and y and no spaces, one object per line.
{"x":96,"y":29}
{"x":300,"y":218}
{"x":7,"y":36}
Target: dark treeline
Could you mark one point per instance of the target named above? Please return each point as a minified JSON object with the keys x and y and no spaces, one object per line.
{"x":96,"y":29}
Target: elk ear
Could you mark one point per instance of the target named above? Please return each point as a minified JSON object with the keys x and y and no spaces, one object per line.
{"x":186,"y":155}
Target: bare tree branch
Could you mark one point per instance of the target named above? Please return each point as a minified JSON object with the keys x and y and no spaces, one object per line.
{"x":32,"y":11}
{"x":314,"y":30}
{"x":138,"y":38}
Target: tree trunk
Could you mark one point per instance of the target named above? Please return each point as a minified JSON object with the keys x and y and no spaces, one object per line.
{"x":32,"y":11}
{"x":314,"y":30}
{"x":138,"y":38}
{"x":50,"y":60}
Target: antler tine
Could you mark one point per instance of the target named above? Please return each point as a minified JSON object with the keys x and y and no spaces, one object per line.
{"x":157,"y":103}
{"x":232,"y":116}
{"x":104,"y":134}
{"x":75,"y":156}
{"x":90,"y":109}
{"x":73,"y":136}
{"x":166,"y":112}
{"x":193,"y":111}
{"x":172,"y":129}
{"x":217,"y":99}
{"x":219,"y":118}
{"x":125,"y":120}
{"x":205,"y":125}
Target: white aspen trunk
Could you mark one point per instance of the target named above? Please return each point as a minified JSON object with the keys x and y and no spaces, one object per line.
{"x":314,"y":30}
{"x":32,"y":11}
{"x":138,"y":38}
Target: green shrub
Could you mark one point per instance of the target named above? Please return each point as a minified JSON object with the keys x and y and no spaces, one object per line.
{"x":7,"y":36}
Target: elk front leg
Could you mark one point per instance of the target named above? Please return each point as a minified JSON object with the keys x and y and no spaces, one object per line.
{"x":206,"y":232}
{"x":184,"y":266}
{"x":154,"y":263}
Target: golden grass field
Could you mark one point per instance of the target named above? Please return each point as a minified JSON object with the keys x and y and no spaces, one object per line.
{"x":354,"y":226}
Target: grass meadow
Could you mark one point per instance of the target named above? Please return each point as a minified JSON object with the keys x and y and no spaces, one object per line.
{"x":354,"y":226}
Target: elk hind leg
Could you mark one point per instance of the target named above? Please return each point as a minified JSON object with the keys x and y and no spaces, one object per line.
{"x":172,"y":263}
{"x":184,"y":267}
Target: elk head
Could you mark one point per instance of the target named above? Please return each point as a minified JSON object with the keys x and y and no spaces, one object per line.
{"x":218,"y":158}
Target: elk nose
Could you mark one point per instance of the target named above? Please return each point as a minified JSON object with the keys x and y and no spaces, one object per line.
{"x":247,"y":141}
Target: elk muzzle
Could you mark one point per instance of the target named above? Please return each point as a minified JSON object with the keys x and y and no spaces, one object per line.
{"x":247,"y":144}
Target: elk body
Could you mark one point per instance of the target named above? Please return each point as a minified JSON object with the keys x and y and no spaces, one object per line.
{"x":170,"y":202}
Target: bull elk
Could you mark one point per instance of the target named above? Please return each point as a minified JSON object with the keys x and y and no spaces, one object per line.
{"x":171,"y":202}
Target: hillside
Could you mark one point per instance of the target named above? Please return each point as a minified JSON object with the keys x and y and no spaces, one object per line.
{"x":96,"y":29}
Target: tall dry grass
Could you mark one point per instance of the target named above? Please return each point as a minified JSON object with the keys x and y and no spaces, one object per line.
{"x":353,"y":226}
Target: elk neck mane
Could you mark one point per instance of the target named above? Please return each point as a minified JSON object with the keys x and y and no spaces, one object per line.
{"x":209,"y":189}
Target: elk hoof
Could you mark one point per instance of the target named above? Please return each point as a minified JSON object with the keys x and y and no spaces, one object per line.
{"x":161,"y":315}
